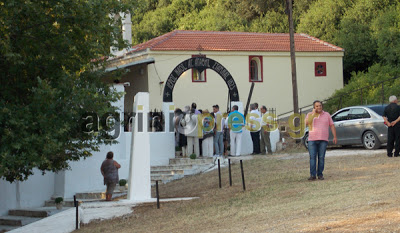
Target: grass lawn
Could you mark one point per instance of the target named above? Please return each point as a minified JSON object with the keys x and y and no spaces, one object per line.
{"x":359,"y":194}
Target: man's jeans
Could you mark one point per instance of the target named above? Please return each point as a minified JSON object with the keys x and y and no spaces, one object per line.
{"x":317,"y":149}
{"x":219,"y":143}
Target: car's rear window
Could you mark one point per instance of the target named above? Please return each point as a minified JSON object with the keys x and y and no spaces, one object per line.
{"x":378,"y":109}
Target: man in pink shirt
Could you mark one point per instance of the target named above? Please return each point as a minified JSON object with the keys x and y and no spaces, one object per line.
{"x":318,"y":123}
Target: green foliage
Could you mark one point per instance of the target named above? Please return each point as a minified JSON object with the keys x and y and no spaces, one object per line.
{"x":386,"y":31}
{"x":154,"y":18}
{"x":356,"y":35}
{"x":51,"y":75}
{"x":192,"y":156}
{"x":272,"y":22}
{"x":122,"y":182}
{"x":323,"y":18}
{"x":370,"y":82}
{"x":59,"y":200}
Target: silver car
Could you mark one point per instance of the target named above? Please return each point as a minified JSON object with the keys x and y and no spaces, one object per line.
{"x":358,"y":125}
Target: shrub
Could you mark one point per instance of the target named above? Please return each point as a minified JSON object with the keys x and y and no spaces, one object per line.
{"x":122,"y":182}
{"x":192,"y":156}
{"x":58,"y":200}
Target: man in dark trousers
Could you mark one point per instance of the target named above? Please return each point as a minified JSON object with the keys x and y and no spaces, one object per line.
{"x":391,"y":116}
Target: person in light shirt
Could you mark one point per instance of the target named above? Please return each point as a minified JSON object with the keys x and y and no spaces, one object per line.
{"x":219,"y":127}
{"x":318,"y":122}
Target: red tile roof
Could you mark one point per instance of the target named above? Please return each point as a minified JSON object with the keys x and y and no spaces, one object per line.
{"x":234,"y":41}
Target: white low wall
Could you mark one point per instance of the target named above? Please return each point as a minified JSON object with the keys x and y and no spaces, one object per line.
{"x":31,"y":193}
{"x":162,"y":148}
{"x":85,"y":175}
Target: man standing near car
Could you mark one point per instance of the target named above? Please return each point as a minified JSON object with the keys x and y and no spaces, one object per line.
{"x":318,"y":122}
{"x":391,"y":116}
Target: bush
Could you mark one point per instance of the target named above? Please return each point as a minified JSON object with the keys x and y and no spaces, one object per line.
{"x":192,"y":156}
{"x":58,"y":200}
{"x":122,"y":182}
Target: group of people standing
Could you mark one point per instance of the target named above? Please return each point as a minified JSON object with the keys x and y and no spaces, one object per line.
{"x":260,"y":135}
{"x":209,"y":134}
{"x":204,"y":138}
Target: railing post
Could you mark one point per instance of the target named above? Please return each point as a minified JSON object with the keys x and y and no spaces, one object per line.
{"x":76,"y":213}
{"x":241,"y":167}
{"x":157,"y":195}
{"x":230,"y":174}
{"x":219,"y":174}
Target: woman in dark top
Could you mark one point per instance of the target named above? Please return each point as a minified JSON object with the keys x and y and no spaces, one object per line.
{"x":109,"y":170}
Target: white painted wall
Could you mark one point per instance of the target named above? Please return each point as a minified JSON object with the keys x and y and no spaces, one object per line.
{"x":163,"y":143}
{"x":85,"y":175}
{"x":275,"y":91}
{"x":32,"y":193}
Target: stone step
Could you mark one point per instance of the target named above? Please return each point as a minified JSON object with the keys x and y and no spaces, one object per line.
{"x":171,"y":167}
{"x":166,"y":178}
{"x":98,"y":194}
{"x":5,"y":228}
{"x":186,"y":161}
{"x":66,"y":203}
{"x":168,"y":172}
{"x":17,"y":220}
{"x":29,"y":213}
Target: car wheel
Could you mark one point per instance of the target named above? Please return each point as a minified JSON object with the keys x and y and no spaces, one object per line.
{"x":371,"y":141}
{"x":305,"y":141}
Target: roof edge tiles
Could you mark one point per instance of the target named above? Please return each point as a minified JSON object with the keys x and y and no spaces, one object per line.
{"x":186,"y":40}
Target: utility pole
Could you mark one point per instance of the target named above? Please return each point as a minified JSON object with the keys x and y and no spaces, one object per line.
{"x":289,"y":11}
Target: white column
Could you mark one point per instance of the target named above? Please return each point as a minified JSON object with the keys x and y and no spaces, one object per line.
{"x":139,"y":170}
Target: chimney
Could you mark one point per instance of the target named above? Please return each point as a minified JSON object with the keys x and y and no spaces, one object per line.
{"x":126,"y":31}
{"x":126,"y":27}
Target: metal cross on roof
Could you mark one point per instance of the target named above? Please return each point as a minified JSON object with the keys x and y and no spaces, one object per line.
{"x":200,"y":48}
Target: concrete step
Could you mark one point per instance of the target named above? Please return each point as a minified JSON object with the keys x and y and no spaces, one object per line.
{"x":66,"y":203}
{"x":171,"y":167}
{"x":168,"y":172}
{"x":97,"y":194}
{"x":187,"y":161}
{"x":29,"y":213}
{"x":5,"y":228}
{"x":17,"y":220}
{"x":166,"y":178}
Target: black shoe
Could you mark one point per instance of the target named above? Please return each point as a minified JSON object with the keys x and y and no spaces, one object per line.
{"x":321,"y":178}
{"x":396,"y":155}
{"x":390,"y":155}
{"x":312,"y":178}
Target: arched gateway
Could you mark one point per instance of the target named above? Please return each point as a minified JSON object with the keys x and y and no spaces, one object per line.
{"x":201,"y":64}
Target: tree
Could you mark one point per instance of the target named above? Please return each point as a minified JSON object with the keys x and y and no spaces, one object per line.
{"x":386,"y":31}
{"x":51,"y":61}
{"x":356,"y":35}
{"x":370,"y":81}
{"x":323,"y":18}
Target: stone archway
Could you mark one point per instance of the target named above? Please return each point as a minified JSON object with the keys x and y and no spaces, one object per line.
{"x":201,"y":64}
